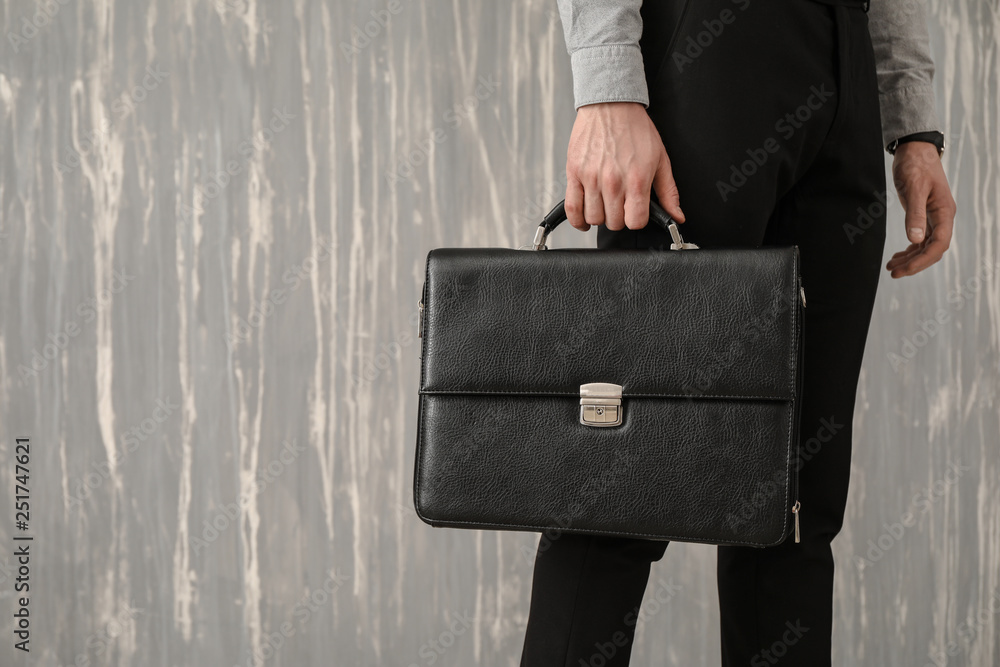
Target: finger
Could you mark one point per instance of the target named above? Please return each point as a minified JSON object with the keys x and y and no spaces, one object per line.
{"x":593,"y":206}
{"x":666,"y":189}
{"x":637,"y":208}
{"x":915,"y":205}
{"x":613,"y":193}
{"x":918,"y":256}
{"x":911,"y":251}
{"x":900,"y":261}
{"x":928,"y":255}
{"x":915,"y":265}
{"x":574,"y":204}
{"x":941,"y":213}
{"x":637,"y":187}
{"x":903,"y":255}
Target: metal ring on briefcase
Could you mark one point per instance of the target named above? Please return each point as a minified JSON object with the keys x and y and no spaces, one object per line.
{"x":656,"y":214}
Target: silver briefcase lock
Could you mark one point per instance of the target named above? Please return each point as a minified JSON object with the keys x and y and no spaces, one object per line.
{"x":601,"y":404}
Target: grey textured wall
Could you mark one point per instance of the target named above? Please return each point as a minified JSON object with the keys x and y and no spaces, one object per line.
{"x":213,"y":222}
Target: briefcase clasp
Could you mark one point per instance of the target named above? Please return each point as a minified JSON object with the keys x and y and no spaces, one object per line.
{"x":601,"y":404}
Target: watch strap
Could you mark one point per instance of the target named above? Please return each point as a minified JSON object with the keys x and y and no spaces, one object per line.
{"x":932,"y":137}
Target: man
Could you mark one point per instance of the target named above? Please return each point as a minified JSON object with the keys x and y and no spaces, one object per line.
{"x":763,"y":118}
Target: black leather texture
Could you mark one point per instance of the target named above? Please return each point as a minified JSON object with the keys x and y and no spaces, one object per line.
{"x":706,"y":345}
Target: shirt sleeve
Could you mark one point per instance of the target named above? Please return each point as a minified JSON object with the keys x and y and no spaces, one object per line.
{"x":904,"y":67}
{"x":602,"y":38}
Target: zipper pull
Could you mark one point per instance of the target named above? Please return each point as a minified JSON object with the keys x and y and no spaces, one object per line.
{"x":795,"y":510}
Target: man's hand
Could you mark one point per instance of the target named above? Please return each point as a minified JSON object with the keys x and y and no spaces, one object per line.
{"x":930,"y":209}
{"x":615,"y":155}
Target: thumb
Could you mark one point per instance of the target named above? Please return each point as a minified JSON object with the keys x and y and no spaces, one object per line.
{"x":915,"y":204}
{"x":666,"y":189}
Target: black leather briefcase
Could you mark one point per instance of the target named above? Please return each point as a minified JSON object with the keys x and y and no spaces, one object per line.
{"x":643,"y":393}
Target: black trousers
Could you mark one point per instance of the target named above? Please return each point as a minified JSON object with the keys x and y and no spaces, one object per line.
{"x":769,"y":114}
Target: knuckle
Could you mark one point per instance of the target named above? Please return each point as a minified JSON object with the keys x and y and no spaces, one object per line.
{"x":635,"y":182}
{"x":589,"y":178}
{"x":575,"y":166}
{"x":613,"y":183}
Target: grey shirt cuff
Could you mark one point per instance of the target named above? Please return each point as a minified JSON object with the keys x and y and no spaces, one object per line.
{"x":907,"y":111}
{"x":609,"y":73}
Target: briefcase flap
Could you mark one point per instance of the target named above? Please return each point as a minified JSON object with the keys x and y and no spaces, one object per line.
{"x":711,"y":323}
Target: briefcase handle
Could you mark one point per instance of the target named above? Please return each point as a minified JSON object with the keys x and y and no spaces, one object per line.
{"x":656,"y":214}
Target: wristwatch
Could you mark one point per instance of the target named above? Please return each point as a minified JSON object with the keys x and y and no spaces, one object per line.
{"x":936,"y":138}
